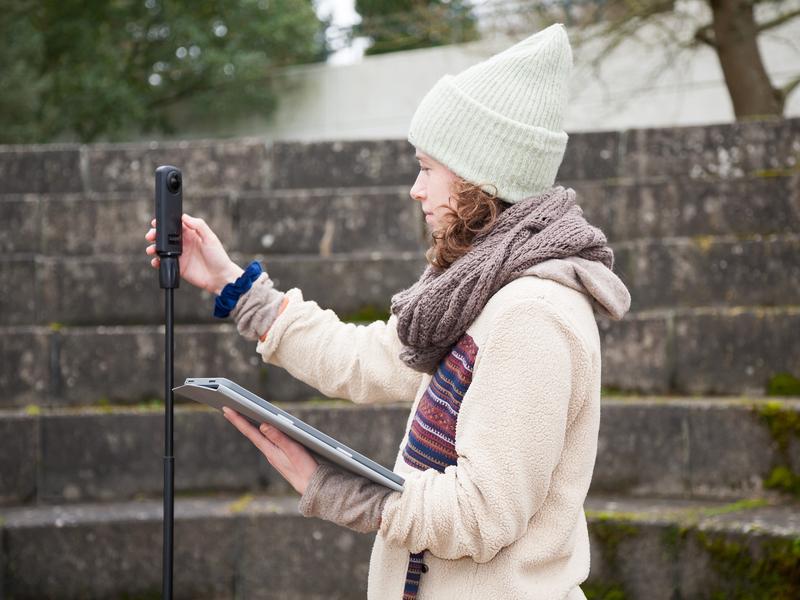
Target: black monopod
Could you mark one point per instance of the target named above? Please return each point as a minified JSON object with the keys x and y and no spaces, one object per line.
{"x":169,"y":209}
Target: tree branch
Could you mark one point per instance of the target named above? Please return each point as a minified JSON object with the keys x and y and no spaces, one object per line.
{"x":778,"y":20}
{"x":790,"y":86}
{"x":705,"y":36}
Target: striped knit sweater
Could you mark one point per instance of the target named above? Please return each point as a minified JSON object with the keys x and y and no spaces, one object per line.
{"x":431,"y":441}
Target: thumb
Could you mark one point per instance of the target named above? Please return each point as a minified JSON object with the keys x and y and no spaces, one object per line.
{"x":199,"y":226}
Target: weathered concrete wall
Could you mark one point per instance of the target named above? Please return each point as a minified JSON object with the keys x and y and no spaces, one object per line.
{"x":704,"y":222}
{"x":705,"y":226}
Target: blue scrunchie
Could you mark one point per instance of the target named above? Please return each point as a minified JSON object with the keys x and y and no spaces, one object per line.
{"x":229,"y":296}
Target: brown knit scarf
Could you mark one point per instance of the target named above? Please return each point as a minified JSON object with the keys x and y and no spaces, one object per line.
{"x":435,"y":312}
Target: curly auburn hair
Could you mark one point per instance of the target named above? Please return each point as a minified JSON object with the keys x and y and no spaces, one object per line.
{"x":475,"y":212}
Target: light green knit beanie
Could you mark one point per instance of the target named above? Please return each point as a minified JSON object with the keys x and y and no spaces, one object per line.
{"x":500,"y":121}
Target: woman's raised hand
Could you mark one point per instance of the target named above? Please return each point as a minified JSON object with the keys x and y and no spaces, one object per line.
{"x":203,"y":262}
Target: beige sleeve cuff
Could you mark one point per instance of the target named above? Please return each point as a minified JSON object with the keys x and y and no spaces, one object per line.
{"x":344,"y":498}
{"x":257,"y":308}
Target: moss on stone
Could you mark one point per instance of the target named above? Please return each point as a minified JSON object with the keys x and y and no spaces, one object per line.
{"x":704,"y":242}
{"x":739,"y":505}
{"x":603,"y":591}
{"x":367,"y":314}
{"x":33,"y":410}
{"x":783,"y":384}
{"x":771,"y":570}
{"x":615,"y":391}
{"x":779,"y":172}
{"x":241,"y":503}
{"x":784,"y":425}
{"x":610,"y":529}
{"x":150,"y":403}
{"x":782,"y":478}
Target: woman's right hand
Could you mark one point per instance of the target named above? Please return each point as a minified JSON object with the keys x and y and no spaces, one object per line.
{"x":203,"y":262}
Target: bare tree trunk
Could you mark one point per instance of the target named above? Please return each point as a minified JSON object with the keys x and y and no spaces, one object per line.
{"x":735,"y":33}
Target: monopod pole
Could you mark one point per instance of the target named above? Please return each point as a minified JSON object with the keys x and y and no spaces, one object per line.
{"x":169,"y":458}
{"x":169,"y":210}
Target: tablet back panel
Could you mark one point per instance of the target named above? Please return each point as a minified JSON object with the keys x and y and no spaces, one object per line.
{"x":218,"y":392}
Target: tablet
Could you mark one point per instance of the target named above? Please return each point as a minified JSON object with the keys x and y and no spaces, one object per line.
{"x":219,"y":392}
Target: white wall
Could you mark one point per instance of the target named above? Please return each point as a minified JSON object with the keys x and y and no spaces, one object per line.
{"x":637,"y":86}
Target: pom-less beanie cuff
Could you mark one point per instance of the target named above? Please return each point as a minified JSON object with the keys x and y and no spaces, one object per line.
{"x":498,"y":124}
{"x":483,"y":146}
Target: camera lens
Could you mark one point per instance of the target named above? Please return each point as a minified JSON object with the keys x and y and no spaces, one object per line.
{"x":174,"y":181}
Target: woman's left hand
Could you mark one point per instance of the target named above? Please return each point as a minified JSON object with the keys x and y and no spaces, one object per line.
{"x":292,"y":460}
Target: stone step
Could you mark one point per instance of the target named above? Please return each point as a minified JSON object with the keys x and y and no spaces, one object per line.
{"x":715,"y":351}
{"x":669,"y":273}
{"x":662,"y":550}
{"x":318,"y":222}
{"x":682,"y":206}
{"x":383,"y":218}
{"x":242,"y":164}
{"x":734,"y":350}
{"x":710,"y":271}
{"x":263,"y":548}
{"x":225,"y":548}
{"x":113,"y":290}
{"x":654,"y":447}
{"x":725,"y":151}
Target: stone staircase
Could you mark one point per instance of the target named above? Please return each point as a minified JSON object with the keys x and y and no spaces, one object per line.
{"x":696,"y":486}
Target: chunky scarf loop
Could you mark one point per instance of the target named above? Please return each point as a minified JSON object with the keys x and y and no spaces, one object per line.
{"x":435,"y":311}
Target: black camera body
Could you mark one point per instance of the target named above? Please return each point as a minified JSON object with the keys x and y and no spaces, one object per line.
{"x":169,"y":225}
{"x":169,"y":209}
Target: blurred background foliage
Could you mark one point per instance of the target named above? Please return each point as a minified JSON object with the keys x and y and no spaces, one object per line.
{"x":110,"y":70}
{"x":89,"y":69}
{"x":395,"y":25}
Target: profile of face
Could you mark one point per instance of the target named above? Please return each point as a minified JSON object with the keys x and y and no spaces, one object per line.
{"x":433,"y":189}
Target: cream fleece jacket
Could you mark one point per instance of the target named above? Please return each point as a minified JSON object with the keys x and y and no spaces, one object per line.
{"x":507,"y":520}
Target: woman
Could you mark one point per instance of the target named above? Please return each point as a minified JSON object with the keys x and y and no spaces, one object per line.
{"x":496,"y":345}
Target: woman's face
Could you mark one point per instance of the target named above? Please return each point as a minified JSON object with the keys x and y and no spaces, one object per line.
{"x":433,"y":189}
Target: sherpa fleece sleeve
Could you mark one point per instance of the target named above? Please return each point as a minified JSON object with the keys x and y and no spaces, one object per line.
{"x":509,"y":437}
{"x":342,"y":360}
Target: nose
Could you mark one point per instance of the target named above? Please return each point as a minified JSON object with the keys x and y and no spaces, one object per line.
{"x":417,"y":192}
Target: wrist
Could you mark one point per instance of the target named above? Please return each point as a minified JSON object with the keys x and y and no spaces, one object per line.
{"x":231,"y":274}
{"x":229,"y":294}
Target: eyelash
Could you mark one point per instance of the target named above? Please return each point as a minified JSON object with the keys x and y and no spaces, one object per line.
{"x":424,"y":169}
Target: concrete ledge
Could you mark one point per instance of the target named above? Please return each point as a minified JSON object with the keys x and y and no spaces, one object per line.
{"x":114,"y":290}
{"x":329,"y":221}
{"x":661,"y":550}
{"x":703,"y":271}
{"x":309,"y":165}
{"x":40,"y":169}
{"x":116,"y":454}
{"x":22,"y":224}
{"x":711,"y":271}
{"x":114,"y":224}
{"x":724,"y":151}
{"x":19,"y":458}
{"x":383,"y":218}
{"x":680,"y":206}
{"x":692,"y":447}
{"x":253,"y":547}
{"x":659,"y":447}
{"x":26,"y":365}
{"x":260,"y":547}
{"x":241,"y":164}
{"x":716,"y":351}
